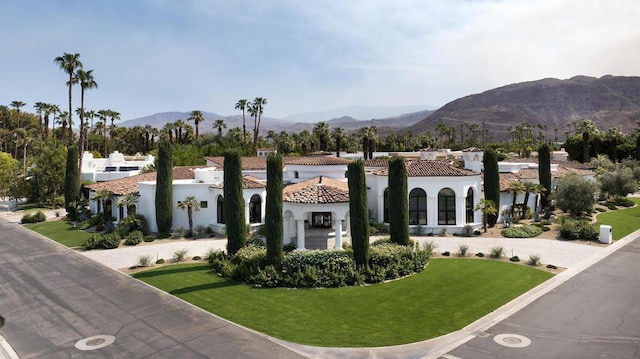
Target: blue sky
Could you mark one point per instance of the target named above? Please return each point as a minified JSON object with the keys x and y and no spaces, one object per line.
{"x":153,"y":56}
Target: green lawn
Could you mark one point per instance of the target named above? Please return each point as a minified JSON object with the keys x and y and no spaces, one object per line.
{"x":623,"y":222}
{"x":61,"y":231}
{"x":448,"y":295}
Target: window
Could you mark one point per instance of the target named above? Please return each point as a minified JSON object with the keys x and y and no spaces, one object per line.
{"x":469,"y":206}
{"x":385,"y":205}
{"x":296,"y":174}
{"x":108,"y":205}
{"x":321,"y":219}
{"x":255,"y":209}
{"x":446,"y":206}
{"x":204,"y":204}
{"x":417,"y":206}
{"x":220,"y":209}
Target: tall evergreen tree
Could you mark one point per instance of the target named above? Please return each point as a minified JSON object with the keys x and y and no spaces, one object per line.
{"x":273,"y":217}
{"x":359,"y":213}
{"x":236,"y":225}
{"x":491,"y":182}
{"x":164,"y":188}
{"x":398,"y":201}
{"x":71,"y":181}
{"x":544,"y":174}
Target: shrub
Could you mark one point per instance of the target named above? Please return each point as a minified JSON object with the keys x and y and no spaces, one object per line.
{"x":179,"y":232}
{"x":199,"y":231}
{"x":134,"y":238}
{"x":480,"y":254}
{"x":577,"y":229}
{"x":551,"y":266}
{"x":446,"y":253}
{"x":600,"y":209}
{"x":467,"y":231}
{"x":611,"y":206}
{"x":196,"y":258}
{"x":522,"y":231}
{"x":92,"y":221}
{"x":104,"y":241}
{"x":496,"y":252}
{"x":134,"y":222}
{"x":180,"y":255}
{"x":380,"y":227}
{"x":514,"y":259}
{"x":428,"y":247}
{"x":34,"y":218}
{"x":160,"y":261}
{"x":256,"y":240}
{"x":624,"y":202}
{"x":149,"y":238}
{"x":462,"y":250}
{"x":289,"y":247}
{"x":144,"y":261}
{"x":534,"y":260}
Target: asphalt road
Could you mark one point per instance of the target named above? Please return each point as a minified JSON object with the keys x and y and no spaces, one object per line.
{"x":55,"y":300}
{"x":596,"y":314}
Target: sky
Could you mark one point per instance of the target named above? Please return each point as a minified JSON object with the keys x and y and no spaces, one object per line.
{"x":152,"y":56}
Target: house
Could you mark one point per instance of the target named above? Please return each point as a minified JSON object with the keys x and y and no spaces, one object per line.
{"x":315,"y":196}
{"x":115,"y":166}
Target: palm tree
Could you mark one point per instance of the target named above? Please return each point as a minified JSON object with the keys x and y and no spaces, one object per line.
{"x":587,"y":128}
{"x":85,"y":78}
{"x":190,"y":204}
{"x":515,"y":187}
{"x":615,"y":136}
{"x":40,"y":108}
{"x":528,"y":188}
{"x":179,"y":125}
{"x":63,"y":120}
{"x":219,"y":124}
{"x":102,"y":195}
{"x":17,"y":105}
{"x":113,"y":116}
{"x":69,"y":63}
{"x":305,"y":139}
{"x":488,"y":208}
{"x":242,"y":105}
{"x":258,"y":104}
{"x":128,"y":201}
{"x":197,"y":117}
{"x":339,"y":136}
{"x":321,"y":131}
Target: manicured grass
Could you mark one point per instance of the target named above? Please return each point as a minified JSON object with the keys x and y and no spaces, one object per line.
{"x":61,"y":231}
{"x":448,"y":295}
{"x":623,"y":221}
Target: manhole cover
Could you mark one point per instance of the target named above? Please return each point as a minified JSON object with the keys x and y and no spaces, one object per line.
{"x":512,"y":340}
{"x":95,"y":342}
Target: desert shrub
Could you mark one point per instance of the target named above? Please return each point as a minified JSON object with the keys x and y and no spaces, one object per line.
{"x":551,"y":266}
{"x":133,"y":222}
{"x":160,"y":261}
{"x":467,"y":231}
{"x":515,"y":259}
{"x":102,"y":241}
{"x":178,"y":232}
{"x":196,"y":258}
{"x":496,"y":252}
{"x":462,"y":250}
{"x":180,"y":255}
{"x":94,"y":220}
{"x":214,"y":254}
{"x":93,"y":242}
{"x":429,"y":247}
{"x":577,"y":229}
{"x":480,"y":254}
{"x":144,"y":261}
{"x":380,"y":227}
{"x":534,"y":260}
{"x":34,"y":218}
{"x":199,"y":231}
{"x":522,"y":231}
{"x":134,"y":238}
{"x":149,"y":238}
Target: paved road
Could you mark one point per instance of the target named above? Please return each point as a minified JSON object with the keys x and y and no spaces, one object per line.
{"x":596,"y":314}
{"x":52,"y":298}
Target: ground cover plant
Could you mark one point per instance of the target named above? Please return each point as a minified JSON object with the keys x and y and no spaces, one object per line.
{"x":62,"y":232}
{"x":443,"y":298}
{"x":522,"y":231}
{"x":623,"y":222}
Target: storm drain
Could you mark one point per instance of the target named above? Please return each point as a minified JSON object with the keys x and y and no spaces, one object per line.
{"x":512,"y":340}
{"x":95,"y":342}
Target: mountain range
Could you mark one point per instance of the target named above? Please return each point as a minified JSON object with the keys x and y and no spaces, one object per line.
{"x":553,"y":104}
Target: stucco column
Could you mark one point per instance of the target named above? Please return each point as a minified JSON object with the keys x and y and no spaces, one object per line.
{"x":246,"y":212}
{"x":300,"y":225}
{"x":286,"y":230}
{"x":339,"y":234}
{"x":461,"y":213}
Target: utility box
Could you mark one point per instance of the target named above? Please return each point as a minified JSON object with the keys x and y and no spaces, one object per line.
{"x":605,"y":234}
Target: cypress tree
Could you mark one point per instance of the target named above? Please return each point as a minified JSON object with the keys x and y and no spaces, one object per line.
{"x":273,"y":217}
{"x":398,"y":202}
{"x":71,"y":182}
{"x":236,"y":225}
{"x":491,"y":182}
{"x":359,"y":213}
{"x":544,"y":174}
{"x":164,"y":188}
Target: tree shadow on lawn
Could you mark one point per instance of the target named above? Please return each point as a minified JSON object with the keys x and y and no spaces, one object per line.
{"x":195,"y":288}
{"x":167,"y":271}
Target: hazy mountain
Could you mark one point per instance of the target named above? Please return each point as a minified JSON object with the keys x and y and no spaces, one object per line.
{"x":361,"y":113}
{"x":609,"y":101}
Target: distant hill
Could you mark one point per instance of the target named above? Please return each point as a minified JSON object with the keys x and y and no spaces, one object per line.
{"x":609,"y":101}
{"x":360,"y":113}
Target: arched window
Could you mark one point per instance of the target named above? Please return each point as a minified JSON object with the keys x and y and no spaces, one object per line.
{"x":446,"y":206}
{"x":417,"y":206}
{"x":220,"y":209}
{"x":469,"y":206}
{"x":385,"y":206}
{"x":296,"y":174}
{"x":255,"y":209}
{"x":108,"y":207}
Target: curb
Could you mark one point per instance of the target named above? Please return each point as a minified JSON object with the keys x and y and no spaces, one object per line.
{"x":6,"y":351}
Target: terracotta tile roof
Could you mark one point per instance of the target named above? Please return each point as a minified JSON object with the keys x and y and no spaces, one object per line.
{"x":127,"y":185}
{"x":248,"y":163}
{"x":430,"y":168}
{"x":317,"y":190}
{"x":376,"y":163}
{"x":571,"y":164}
{"x":248,"y":182}
{"x":527,"y":173}
{"x":320,"y":153}
{"x":472,"y":149}
{"x":506,"y":179}
{"x":315,"y":161}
